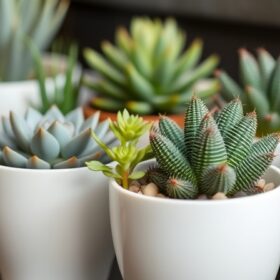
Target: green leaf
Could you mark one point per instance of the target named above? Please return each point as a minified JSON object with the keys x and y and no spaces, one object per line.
{"x":179,"y":188}
{"x":249,"y":70}
{"x":135,"y":175}
{"x":98,"y":166}
{"x":195,"y":112}
{"x":239,"y":139}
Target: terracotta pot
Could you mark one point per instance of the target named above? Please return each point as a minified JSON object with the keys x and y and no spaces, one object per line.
{"x":88,"y":111}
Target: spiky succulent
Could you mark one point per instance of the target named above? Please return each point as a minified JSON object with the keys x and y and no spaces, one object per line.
{"x":259,"y":88}
{"x":38,"y":20}
{"x":52,"y":140}
{"x":147,"y":71}
{"x":211,"y":154}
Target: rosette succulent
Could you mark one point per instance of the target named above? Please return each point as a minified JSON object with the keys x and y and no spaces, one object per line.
{"x":259,"y":88}
{"x":38,"y":20}
{"x":52,"y":140}
{"x":147,"y":71}
{"x":210,"y":155}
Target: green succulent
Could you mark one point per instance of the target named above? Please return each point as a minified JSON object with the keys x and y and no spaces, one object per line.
{"x":52,"y":140}
{"x":211,"y":154}
{"x":147,"y":71}
{"x":259,"y":88}
{"x":128,"y":129}
{"x":64,"y":97}
{"x":38,"y":20}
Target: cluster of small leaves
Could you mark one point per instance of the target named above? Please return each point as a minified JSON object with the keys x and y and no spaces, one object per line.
{"x":51,"y":140}
{"x":211,"y":154}
{"x":38,"y":20}
{"x":65,"y":97}
{"x":147,"y":71}
{"x":128,"y":129}
{"x":259,"y":89}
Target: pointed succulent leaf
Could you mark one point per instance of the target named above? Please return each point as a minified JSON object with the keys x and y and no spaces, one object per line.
{"x":179,"y":188}
{"x":36,"y":163}
{"x":249,"y":171}
{"x":265,"y":145}
{"x":170,"y":158}
{"x":208,"y":148}
{"x":90,"y":156}
{"x":60,"y":132}
{"x":91,"y":122}
{"x":231,"y":114}
{"x":267,"y":64}
{"x":257,"y":101}
{"x":13,"y":158}
{"x":52,"y":114}
{"x":44,"y":145}
{"x":72,"y":162}
{"x":21,"y":131}
{"x":249,"y":70}
{"x":76,"y":117}
{"x":220,"y":178}
{"x":240,"y":138}
{"x":32,"y":118}
{"x":77,"y":145}
{"x":195,"y":112}
{"x":274,"y":87}
{"x":173,"y":132}
{"x":229,"y":87}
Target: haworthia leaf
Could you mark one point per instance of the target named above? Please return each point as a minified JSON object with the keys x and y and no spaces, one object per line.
{"x":249,"y":171}
{"x":178,"y":188}
{"x":219,"y":178}
{"x":265,"y":145}
{"x":231,"y":114}
{"x":195,"y":112}
{"x":239,"y":139}
{"x":169,"y":157}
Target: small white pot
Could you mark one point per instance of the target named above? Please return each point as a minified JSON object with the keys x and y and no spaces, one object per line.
{"x":54,"y":225}
{"x":18,"y":96}
{"x":157,"y":238}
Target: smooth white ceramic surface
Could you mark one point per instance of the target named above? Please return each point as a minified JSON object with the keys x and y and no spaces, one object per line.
{"x":18,"y":96}
{"x":165,"y":239}
{"x":54,"y":225}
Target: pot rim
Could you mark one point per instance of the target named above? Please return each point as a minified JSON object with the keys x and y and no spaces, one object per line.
{"x":162,"y":201}
{"x":42,"y":171}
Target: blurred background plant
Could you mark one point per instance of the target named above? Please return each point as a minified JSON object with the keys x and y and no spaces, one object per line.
{"x":147,"y":71}
{"x":259,"y":88}
{"x":65,"y":96}
{"x":38,"y":20}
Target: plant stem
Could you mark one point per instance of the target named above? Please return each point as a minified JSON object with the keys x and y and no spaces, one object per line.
{"x":125,"y":179}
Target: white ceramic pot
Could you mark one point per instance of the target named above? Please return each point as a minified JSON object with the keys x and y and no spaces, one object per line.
{"x":54,"y":225}
{"x":165,"y":239}
{"x":18,"y":96}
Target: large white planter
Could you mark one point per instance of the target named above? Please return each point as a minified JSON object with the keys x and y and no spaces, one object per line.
{"x":54,"y":225}
{"x":165,"y":239}
{"x":18,"y":96}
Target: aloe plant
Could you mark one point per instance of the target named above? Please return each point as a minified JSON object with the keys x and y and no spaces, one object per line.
{"x":64,"y":97}
{"x":38,"y":20}
{"x":259,"y":88}
{"x":128,"y":129}
{"x":147,"y":71}
{"x":211,"y":154}
{"x":51,"y":140}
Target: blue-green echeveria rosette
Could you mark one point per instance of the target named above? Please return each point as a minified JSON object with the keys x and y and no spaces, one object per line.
{"x":51,"y":140}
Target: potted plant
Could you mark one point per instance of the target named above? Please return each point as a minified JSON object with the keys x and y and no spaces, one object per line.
{"x":200,"y":212}
{"x":54,"y":214}
{"x":39,"y":21}
{"x":148,"y":72}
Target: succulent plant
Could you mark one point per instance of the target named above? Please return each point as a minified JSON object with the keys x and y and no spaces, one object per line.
{"x":211,"y":154}
{"x":259,"y":88}
{"x":65,"y":96}
{"x":147,"y":71}
{"x":52,"y":140}
{"x":128,"y":129}
{"x":19,"y":19}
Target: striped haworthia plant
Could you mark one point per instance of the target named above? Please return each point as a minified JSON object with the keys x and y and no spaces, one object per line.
{"x":211,"y":154}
